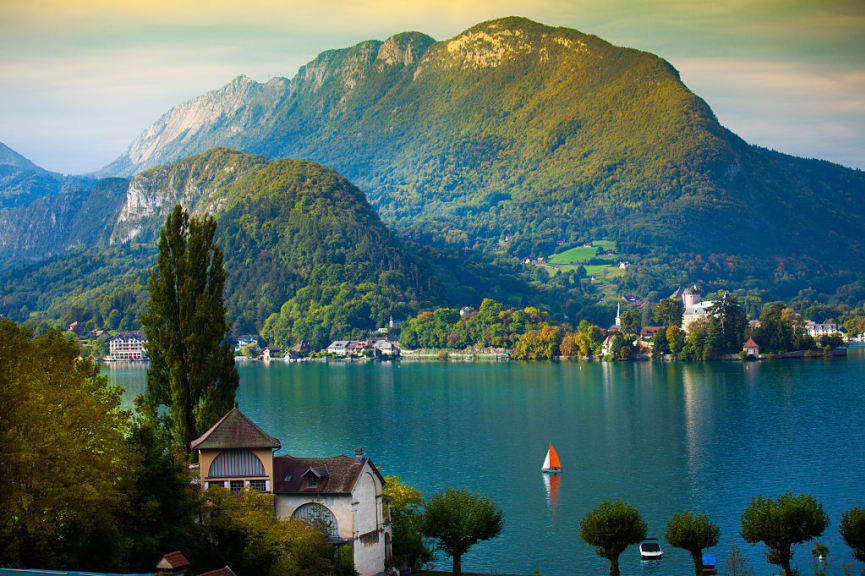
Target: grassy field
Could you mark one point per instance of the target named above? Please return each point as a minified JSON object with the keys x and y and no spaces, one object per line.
{"x":581,"y":253}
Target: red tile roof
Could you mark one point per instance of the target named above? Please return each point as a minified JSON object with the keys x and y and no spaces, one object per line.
{"x":235,"y":430}
{"x":336,"y":475}
{"x":173,"y":560}
{"x":751,"y":344}
{"x":225,"y":571}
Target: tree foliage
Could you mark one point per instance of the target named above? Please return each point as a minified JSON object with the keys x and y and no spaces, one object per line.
{"x":781,"y":523}
{"x":191,"y":367}
{"x":852,"y":529}
{"x":458,"y":519}
{"x":406,"y":509}
{"x":693,"y":533}
{"x":611,"y":527}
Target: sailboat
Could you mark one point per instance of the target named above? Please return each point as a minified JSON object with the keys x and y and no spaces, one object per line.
{"x":551,"y":462}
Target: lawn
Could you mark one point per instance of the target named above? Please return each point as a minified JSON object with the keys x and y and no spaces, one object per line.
{"x":581,"y":253}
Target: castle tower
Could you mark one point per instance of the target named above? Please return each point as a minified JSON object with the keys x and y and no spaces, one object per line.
{"x":691,"y":297}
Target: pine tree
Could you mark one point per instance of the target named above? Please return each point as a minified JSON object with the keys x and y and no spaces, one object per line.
{"x":192,"y":368}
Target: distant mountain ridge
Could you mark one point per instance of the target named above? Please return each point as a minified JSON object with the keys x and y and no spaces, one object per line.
{"x":539,"y":136}
{"x":22,"y":181}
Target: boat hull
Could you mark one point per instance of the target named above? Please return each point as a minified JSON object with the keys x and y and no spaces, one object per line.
{"x":551,"y":470}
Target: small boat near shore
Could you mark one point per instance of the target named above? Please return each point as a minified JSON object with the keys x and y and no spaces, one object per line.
{"x":551,"y":462}
{"x":651,"y":550}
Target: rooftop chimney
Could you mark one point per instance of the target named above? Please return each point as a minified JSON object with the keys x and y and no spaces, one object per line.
{"x":358,"y":454}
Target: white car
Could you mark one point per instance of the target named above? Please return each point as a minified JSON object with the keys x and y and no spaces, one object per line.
{"x":651,"y":550}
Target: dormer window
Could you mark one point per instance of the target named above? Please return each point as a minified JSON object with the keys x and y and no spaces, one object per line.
{"x":311,"y":481}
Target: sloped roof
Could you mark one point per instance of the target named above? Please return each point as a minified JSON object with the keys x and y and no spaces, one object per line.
{"x":224,"y":571}
{"x":172,"y":560}
{"x":751,"y":344}
{"x":342,"y":474}
{"x":235,"y":430}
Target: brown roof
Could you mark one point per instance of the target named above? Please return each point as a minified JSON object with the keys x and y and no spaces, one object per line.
{"x":172,"y":560}
{"x":650,"y":330}
{"x":235,"y":430}
{"x":336,"y":475}
{"x":751,"y":344}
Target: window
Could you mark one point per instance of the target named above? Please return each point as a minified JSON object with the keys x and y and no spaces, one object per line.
{"x":311,"y":481}
{"x":220,"y":484}
{"x":260,"y":485}
{"x":236,"y":486}
{"x":236,"y":464}
{"x":319,"y":517}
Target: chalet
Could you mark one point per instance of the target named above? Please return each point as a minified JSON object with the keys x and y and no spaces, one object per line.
{"x":648,"y":332}
{"x":127,"y":346}
{"x":384,"y":347}
{"x":77,"y":328}
{"x":624,"y":265}
{"x":269,"y":352}
{"x":356,"y":347}
{"x":339,"y":348}
{"x":607,"y":346}
{"x":171,"y":564}
{"x":342,"y":496}
{"x":751,"y":349}
{"x":300,"y":350}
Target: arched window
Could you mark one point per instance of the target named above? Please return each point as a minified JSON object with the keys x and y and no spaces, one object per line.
{"x":236,"y":464}
{"x":319,"y":517}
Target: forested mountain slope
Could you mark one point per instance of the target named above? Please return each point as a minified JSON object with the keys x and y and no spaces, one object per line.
{"x":544,"y":136}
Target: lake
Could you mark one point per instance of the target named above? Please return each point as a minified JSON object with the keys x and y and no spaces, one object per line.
{"x":664,"y":437}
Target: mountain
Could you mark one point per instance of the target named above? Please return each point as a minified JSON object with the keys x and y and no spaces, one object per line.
{"x":547,"y":137}
{"x":305,"y":255}
{"x":22,"y":181}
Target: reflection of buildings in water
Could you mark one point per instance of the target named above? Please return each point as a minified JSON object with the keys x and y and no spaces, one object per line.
{"x":552,"y":483}
{"x":699,"y":417}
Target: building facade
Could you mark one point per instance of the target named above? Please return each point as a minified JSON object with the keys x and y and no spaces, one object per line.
{"x":127,"y":346}
{"x":342,"y":496}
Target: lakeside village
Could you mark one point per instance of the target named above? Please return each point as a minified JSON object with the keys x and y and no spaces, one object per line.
{"x":685,"y":327}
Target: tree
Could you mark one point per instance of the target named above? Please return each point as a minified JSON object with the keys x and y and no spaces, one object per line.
{"x":252,"y":540}
{"x":406,"y":509}
{"x":731,"y":321}
{"x":692,"y":533}
{"x":675,"y":339}
{"x":611,"y":527}
{"x":852,"y":529}
{"x":630,"y":321}
{"x":781,"y":523}
{"x":65,"y":468}
{"x":669,"y":312}
{"x":191,"y":363}
{"x":459,"y":519}
{"x":660,"y":346}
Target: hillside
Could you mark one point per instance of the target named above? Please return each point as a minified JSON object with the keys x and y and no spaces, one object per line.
{"x":304,"y":253}
{"x":22,"y":181}
{"x":548,"y":137}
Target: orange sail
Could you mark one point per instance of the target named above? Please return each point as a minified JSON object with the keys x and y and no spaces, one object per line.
{"x":554,"y":458}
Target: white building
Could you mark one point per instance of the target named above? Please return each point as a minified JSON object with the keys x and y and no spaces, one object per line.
{"x":339,"y":348}
{"x":127,"y":346}
{"x":817,"y":330}
{"x":342,"y":496}
{"x":386,"y":347}
{"x":245,"y":341}
{"x":695,"y":307}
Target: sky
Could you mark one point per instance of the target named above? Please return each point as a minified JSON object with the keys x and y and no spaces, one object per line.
{"x":79,"y":79}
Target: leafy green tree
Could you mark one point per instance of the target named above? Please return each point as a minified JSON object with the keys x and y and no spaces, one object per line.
{"x":65,"y":467}
{"x":660,"y":345}
{"x":406,"y":509}
{"x":852,"y":529}
{"x":611,"y":527}
{"x":675,"y":339}
{"x":731,"y":322}
{"x":458,"y":519}
{"x":630,"y":321}
{"x":669,"y":312}
{"x":781,"y":523}
{"x":252,"y":540}
{"x":693,"y":533}
{"x":191,"y":362}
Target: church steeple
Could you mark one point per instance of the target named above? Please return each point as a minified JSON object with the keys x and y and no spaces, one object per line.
{"x":618,"y":315}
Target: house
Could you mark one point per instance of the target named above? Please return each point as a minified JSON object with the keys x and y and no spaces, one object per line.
{"x":77,"y":328}
{"x":127,"y":346}
{"x":648,"y":332}
{"x":244,"y":341}
{"x":356,"y":347}
{"x":339,"y":348}
{"x":624,"y":265}
{"x":607,"y":345}
{"x":269,"y":352}
{"x":467,"y":311}
{"x":751,"y":349}
{"x":173,"y":563}
{"x":817,"y":330}
{"x":342,"y":496}
{"x":384,"y":347}
{"x":300,"y":350}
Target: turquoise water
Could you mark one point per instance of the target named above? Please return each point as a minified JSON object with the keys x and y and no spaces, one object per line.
{"x":664,"y":437}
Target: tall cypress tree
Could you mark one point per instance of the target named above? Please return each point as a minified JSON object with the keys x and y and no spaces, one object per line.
{"x":192,"y":368}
